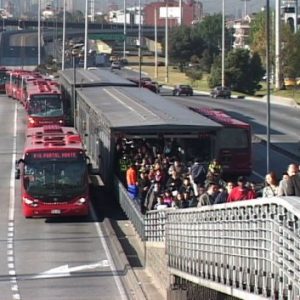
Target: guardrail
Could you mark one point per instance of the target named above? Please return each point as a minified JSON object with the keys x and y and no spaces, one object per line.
{"x":130,"y":208}
{"x":249,"y":249}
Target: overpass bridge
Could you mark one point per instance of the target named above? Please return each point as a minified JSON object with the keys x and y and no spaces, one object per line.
{"x":93,"y":28}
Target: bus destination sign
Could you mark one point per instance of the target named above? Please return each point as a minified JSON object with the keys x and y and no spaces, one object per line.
{"x":54,"y":155}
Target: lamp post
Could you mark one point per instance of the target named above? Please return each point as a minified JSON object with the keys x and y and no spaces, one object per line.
{"x":167,"y":43}
{"x":223,"y":44}
{"x":74,"y":53}
{"x":86,"y":35}
{"x":39,"y":32}
{"x":268,"y":81}
{"x":140,"y":46}
{"x":155,"y":42}
{"x":124,"y":31}
{"x":63,"y":37}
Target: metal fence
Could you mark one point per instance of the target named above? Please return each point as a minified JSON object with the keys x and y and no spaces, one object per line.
{"x":249,"y":249}
{"x":130,"y":208}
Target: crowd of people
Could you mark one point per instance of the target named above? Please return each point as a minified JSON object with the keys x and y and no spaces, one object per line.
{"x":157,"y":179}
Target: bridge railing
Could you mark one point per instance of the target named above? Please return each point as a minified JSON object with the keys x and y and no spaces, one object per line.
{"x":130,"y":208}
{"x":249,"y":249}
{"x":244,"y":248}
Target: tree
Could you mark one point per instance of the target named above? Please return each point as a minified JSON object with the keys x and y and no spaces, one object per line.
{"x":290,"y":55}
{"x":180,"y":49}
{"x":242,"y":71}
{"x":257,"y":37}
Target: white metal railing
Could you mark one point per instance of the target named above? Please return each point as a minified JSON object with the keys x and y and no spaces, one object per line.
{"x":248,"y":249}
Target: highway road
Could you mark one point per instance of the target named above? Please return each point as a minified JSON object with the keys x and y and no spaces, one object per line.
{"x":49,"y":259}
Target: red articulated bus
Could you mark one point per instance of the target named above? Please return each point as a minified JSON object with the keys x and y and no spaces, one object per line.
{"x":13,"y":81}
{"x":54,"y":173}
{"x":44,"y":103}
{"x":232,"y":144}
{"x":23,"y":80}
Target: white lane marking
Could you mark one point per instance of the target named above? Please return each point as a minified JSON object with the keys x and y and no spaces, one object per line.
{"x":11,"y":217}
{"x":109,"y":257}
{"x":65,"y":270}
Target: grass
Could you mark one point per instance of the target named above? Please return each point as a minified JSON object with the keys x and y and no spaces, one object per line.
{"x":177,"y":77}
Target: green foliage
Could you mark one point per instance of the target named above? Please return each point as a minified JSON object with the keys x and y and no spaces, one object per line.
{"x":194,"y":74}
{"x":214,"y":79}
{"x":197,"y":44}
{"x":242,"y":71}
{"x":180,"y":49}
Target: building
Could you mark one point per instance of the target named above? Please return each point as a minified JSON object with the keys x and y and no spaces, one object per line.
{"x":241,"y":33}
{"x":192,"y":11}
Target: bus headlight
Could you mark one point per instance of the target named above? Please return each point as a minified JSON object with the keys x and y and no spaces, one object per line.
{"x":31,"y":120}
{"x":81,"y":201}
{"x":30,"y":202}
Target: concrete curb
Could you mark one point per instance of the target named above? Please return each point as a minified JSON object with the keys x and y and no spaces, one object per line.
{"x":129,"y":280}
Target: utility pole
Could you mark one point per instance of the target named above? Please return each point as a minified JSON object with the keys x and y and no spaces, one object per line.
{"x":86,"y":35}
{"x":39,"y":32}
{"x":140,"y":45}
{"x":167,"y":43}
{"x":155,"y":42}
{"x":277,"y":45}
{"x":63,"y":37}
{"x":268,"y":81}
{"x":124,"y":31}
{"x":223,"y":43}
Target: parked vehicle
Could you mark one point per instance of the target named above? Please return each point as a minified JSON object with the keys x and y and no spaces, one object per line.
{"x":221,"y":92}
{"x":183,"y":89}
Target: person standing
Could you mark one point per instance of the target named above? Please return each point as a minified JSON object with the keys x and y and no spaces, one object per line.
{"x":271,"y":188}
{"x":132,"y":181}
{"x":241,"y":192}
{"x":144,"y":185}
{"x":282,"y":188}
{"x":293,"y":183}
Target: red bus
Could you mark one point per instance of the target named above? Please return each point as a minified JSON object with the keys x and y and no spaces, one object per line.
{"x":43,"y":102}
{"x":23,"y":79}
{"x":53,"y":173}
{"x":13,"y":81}
{"x":232,"y":143}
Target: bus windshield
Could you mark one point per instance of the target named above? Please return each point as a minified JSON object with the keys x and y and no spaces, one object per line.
{"x":45,"y":106}
{"x":51,"y":179}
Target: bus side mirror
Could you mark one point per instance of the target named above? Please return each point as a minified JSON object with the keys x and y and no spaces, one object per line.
{"x":17,"y":169}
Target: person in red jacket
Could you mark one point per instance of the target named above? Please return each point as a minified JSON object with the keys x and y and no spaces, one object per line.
{"x":132,"y":181}
{"x":241,"y":192}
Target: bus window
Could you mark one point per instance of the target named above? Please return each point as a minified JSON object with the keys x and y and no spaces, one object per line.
{"x":233,"y":138}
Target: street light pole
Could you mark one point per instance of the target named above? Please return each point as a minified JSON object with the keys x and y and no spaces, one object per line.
{"x":155,"y":43}
{"x":223,"y":43}
{"x":39,"y":32}
{"x":268,"y":81}
{"x":124,"y":31}
{"x":140,"y":46}
{"x":167,"y":43}
{"x":277,"y":45}
{"x":63,"y":37}
{"x":74,"y":89}
{"x":86,"y":35}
